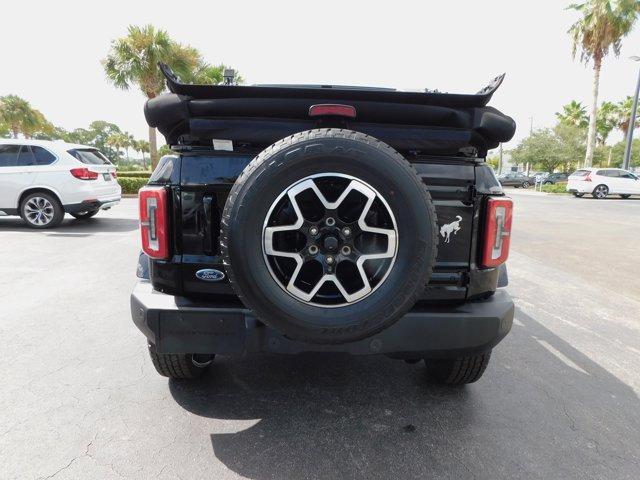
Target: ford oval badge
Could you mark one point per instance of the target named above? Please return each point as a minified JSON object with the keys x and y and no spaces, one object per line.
{"x":210,"y":275}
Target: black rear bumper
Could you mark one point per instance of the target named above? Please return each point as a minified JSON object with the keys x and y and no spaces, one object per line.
{"x":178,"y":325}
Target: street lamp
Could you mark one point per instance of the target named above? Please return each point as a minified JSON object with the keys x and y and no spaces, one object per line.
{"x":632,"y":123}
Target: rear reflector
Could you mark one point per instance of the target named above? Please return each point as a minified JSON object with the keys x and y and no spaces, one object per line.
{"x":83,"y":173}
{"x":154,"y":221}
{"x":332,"y":109}
{"x":497,"y":233}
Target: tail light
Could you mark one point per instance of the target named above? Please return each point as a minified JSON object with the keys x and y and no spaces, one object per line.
{"x":84,"y":173}
{"x":154,"y":221}
{"x":332,"y":109}
{"x":587,"y":177}
{"x":114,"y":174}
{"x":497,"y":233}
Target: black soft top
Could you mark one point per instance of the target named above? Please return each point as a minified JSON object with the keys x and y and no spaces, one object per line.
{"x":428,"y":122}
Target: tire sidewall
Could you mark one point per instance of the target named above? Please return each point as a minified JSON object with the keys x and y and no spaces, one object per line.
{"x":400,"y":187}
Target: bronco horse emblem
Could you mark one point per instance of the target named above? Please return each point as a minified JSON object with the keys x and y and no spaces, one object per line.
{"x":448,"y":228}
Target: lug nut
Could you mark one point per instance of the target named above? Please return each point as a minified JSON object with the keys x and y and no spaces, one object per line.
{"x":346,"y":231}
{"x":346,"y":250}
{"x":313,"y":231}
{"x":329,"y":260}
{"x":330,"y":221}
{"x":313,"y":249}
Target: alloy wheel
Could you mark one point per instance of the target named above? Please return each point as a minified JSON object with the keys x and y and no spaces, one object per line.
{"x":330,"y":240}
{"x":39,"y":211}
{"x":601,"y":191}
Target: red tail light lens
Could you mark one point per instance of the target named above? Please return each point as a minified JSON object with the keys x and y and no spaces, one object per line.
{"x":84,"y":173}
{"x":497,"y":233}
{"x":154,"y":222}
{"x":114,"y":174}
{"x":332,"y":109}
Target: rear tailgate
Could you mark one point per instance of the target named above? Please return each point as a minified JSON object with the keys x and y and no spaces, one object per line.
{"x":205,"y":182}
{"x":95,"y":161}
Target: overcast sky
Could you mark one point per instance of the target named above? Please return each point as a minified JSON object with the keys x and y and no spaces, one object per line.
{"x":51,"y":51}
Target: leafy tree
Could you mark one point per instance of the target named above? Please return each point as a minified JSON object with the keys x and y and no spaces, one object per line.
{"x":165,"y":150}
{"x":100,"y":130}
{"x":18,"y":114}
{"x":602,"y":26}
{"x":551,"y":149}
{"x":493,"y":162}
{"x":133,"y":59}
{"x":573,"y":113}
{"x":617,"y":153}
{"x":5,"y":131}
{"x":83,"y":136}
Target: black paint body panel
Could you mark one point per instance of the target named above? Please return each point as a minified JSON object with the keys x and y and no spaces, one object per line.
{"x":200,"y":182}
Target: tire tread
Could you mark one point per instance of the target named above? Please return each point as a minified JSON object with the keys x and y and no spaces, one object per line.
{"x":458,"y":371}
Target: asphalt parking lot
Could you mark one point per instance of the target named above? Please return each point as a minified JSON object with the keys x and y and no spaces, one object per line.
{"x":80,"y":397}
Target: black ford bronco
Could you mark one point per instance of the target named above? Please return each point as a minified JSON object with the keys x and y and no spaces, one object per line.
{"x":300,"y":218}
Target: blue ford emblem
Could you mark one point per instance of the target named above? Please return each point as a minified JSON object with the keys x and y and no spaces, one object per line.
{"x":210,"y":275}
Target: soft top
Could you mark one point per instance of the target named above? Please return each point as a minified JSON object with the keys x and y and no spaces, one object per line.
{"x":428,"y":122}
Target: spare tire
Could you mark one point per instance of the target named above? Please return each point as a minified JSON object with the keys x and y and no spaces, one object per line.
{"x":329,"y":236}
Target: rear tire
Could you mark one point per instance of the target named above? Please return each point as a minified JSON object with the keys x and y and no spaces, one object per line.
{"x":625,"y":196}
{"x":179,"y":366}
{"x":84,"y":215}
{"x":577,"y":194}
{"x":600,"y":192}
{"x":458,"y":371}
{"x":41,"y":210}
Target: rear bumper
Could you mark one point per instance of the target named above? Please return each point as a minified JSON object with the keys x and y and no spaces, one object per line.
{"x":178,"y":325}
{"x":102,"y":203}
{"x":579,"y":187}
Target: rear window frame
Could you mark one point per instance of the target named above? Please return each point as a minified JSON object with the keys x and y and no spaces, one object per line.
{"x":105,"y":160}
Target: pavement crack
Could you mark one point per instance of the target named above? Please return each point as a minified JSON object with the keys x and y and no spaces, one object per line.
{"x":71,"y":462}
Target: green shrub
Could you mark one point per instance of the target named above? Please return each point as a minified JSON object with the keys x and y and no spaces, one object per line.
{"x":555,"y":188}
{"x":132,"y":185}
{"x":140,"y":174}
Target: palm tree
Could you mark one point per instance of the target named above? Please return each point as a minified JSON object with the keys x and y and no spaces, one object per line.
{"x":602,"y":26}
{"x":41,"y":128}
{"x":133,"y":59}
{"x":573,"y":113}
{"x":623,"y":117}
{"x":18,"y":115}
{"x":605,"y":121}
{"x":142,"y":146}
{"x":118,"y":141}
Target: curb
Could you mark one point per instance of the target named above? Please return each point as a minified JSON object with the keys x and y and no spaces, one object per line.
{"x":129,"y":195}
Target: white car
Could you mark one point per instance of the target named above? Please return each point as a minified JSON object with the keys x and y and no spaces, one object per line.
{"x":41,"y":180}
{"x":600,"y":182}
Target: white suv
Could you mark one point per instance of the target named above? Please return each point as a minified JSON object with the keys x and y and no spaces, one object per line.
{"x":41,"y":180}
{"x":601,"y":182}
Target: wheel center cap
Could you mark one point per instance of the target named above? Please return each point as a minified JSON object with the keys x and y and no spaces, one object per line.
{"x":331,"y":244}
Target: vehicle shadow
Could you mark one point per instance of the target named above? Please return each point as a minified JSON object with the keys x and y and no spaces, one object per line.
{"x":542,"y":410}
{"x":72,"y":227}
